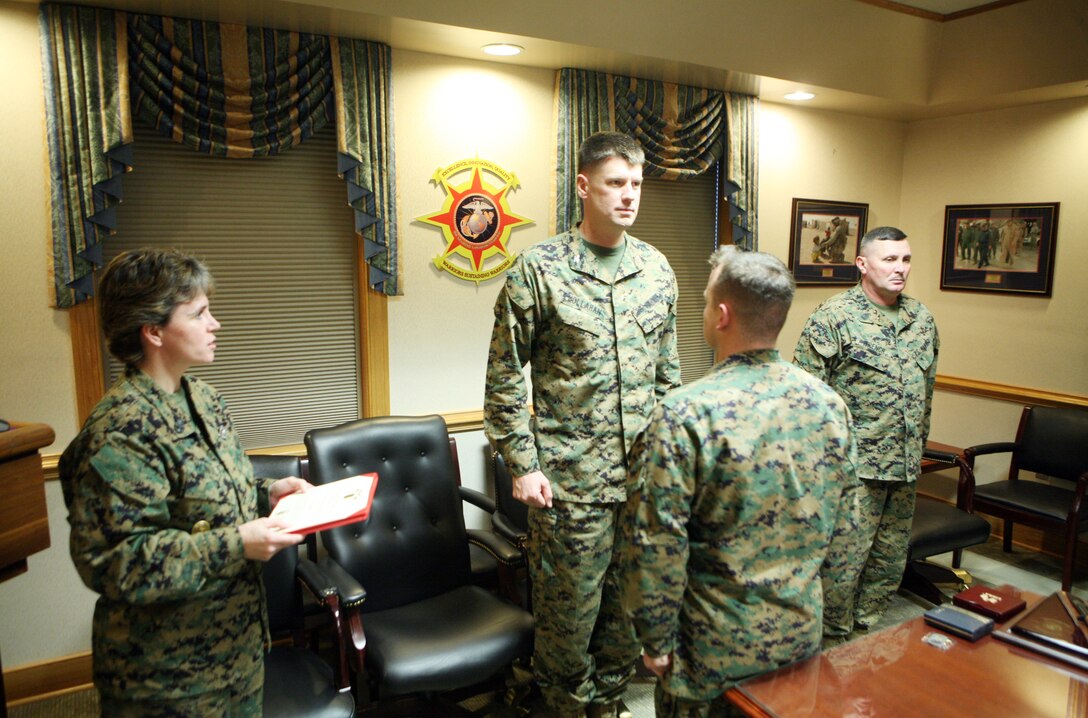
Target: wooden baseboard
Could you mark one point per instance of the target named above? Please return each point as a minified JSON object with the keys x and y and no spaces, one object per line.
{"x":38,"y":680}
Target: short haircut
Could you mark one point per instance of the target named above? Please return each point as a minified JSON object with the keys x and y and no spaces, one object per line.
{"x":758,"y":286}
{"x":892,"y":234}
{"x":142,"y":287}
{"x":601,"y":146}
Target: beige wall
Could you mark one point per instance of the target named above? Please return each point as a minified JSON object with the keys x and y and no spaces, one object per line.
{"x":439,"y":329}
{"x":822,"y":155}
{"x":447,"y":110}
{"x":36,"y":382}
{"x":1026,"y":154}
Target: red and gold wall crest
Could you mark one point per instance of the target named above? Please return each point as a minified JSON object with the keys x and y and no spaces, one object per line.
{"x":475,"y":219}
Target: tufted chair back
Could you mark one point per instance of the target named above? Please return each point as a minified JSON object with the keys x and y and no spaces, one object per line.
{"x":414,"y":544}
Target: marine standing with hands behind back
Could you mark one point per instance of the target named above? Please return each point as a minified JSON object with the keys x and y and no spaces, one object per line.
{"x":739,"y":478}
{"x":163,"y":508}
{"x":877,"y":348}
{"x":592,"y":312}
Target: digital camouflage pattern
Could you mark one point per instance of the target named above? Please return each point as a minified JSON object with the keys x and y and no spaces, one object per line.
{"x":885,"y":373}
{"x":884,"y":365}
{"x":886,"y":511}
{"x":155,"y":497}
{"x":875,"y":532}
{"x":740,"y":478}
{"x":581,"y":633}
{"x":601,"y":345}
{"x":601,"y":352}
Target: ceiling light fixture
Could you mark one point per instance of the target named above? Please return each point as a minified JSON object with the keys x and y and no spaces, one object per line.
{"x":503,"y":49}
{"x":800,"y":96}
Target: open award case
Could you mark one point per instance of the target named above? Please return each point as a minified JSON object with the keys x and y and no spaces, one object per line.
{"x":1054,"y":627}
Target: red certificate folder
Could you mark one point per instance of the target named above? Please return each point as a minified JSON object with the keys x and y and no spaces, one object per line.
{"x":995,"y":603}
{"x":323,"y":507}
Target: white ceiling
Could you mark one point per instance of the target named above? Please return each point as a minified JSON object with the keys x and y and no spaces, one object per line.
{"x":863,"y":57}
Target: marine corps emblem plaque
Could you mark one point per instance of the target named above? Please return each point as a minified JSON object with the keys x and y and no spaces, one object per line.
{"x":475,"y":219}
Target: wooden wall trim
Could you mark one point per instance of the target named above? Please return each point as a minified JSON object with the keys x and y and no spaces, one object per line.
{"x":1006,"y":392}
{"x":35,"y":681}
{"x":90,"y":368}
{"x":373,"y":341}
{"x":377,"y":378}
{"x":89,"y":364}
{"x":458,"y":422}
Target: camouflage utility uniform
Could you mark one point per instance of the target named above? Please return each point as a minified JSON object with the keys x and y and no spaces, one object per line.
{"x":741,"y":475}
{"x":156,"y":486}
{"x":884,"y":365}
{"x":601,"y":350}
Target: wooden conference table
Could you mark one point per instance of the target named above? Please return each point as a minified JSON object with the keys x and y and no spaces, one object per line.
{"x":894,"y":673}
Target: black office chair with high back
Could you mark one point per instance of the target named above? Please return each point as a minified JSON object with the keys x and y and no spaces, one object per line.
{"x":425,"y":628}
{"x":298,"y":683}
{"x":937,"y":528}
{"x":1052,"y":442}
{"x":482,"y":554}
{"x":510,"y":519}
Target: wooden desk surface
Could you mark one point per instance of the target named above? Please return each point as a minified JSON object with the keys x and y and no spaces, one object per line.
{"x":893,"y":673}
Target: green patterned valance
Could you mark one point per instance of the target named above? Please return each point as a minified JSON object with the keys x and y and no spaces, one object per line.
{"x":684,"y":131}
{"x":225,"y":90}
{"x":229,"y":90}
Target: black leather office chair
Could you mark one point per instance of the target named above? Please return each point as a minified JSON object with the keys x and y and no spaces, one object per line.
{"x":510,"y":519}
{"x":298,"y":683}
{"x":482,"y":561}
{"x":938,"y":528}
{"x":1049,"y":441}
{"x":424,"y":627}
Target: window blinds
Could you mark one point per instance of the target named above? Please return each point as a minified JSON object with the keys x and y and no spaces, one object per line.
{"x":277,"y":235}
{"x":679,"y":217}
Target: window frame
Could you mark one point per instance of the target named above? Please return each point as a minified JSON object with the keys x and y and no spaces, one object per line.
{"x":372,"y":310}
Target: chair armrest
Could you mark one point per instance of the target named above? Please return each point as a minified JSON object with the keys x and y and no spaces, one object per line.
{"x":965,"y":485}
{"x":504,"y":551}
{"x":316,"y":581}
{"x":1078,"y":498}
{"x":995,"y":448}
{"x":944,"y":457}
{"x":477,"y":498}
{"x":505,"y":527}
{"x":349,"y":622}
{"x":350,"y":590}
{"x":330,"y":584}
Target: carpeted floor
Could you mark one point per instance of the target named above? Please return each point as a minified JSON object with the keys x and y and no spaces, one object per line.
{"x":987,"y":563}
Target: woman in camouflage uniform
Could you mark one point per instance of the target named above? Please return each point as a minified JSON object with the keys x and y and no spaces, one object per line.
{"x":163,"y":508}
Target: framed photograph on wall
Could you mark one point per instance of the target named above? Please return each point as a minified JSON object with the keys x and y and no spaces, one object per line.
{"x":999,"y":247}
{"x":824,"y":240}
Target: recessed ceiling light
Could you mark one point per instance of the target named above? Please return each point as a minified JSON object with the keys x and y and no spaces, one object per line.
{"x":503,"y":49}
{"x":800,"y":96}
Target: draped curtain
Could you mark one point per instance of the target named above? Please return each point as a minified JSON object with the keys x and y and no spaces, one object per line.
{"x":89,"y":132}
{"x":683,"y":130}
{"x":225,"y":90}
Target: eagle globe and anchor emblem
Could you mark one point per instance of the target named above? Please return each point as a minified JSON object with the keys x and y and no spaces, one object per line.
{"x":476,"y":220}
